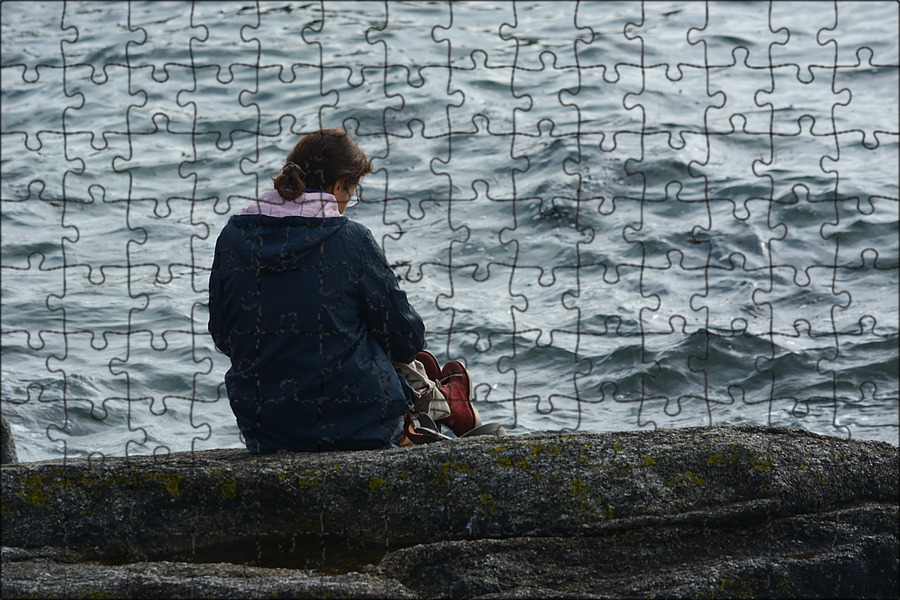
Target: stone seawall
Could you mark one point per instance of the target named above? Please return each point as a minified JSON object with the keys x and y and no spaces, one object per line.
{"x":715,"y":512}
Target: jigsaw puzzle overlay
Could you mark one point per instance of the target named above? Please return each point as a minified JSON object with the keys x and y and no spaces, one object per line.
{"x":619,"y":215}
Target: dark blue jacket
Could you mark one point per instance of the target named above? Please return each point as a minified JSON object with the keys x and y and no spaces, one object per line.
{"x":311,"y":314}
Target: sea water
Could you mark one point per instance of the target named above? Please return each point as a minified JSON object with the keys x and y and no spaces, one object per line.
{"x":621,"y":216}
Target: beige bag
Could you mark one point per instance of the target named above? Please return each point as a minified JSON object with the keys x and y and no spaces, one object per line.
{"x":428,"y":398}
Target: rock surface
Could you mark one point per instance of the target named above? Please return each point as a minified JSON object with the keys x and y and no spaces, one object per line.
{"x":8,"y":453}
{"x":715,"y":512}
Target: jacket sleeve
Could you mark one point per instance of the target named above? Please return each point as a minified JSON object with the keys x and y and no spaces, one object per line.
{"x":388,"y":316}
{"x":216,"y":324}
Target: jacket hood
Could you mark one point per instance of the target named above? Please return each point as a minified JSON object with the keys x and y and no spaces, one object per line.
{"x":283,"y":243}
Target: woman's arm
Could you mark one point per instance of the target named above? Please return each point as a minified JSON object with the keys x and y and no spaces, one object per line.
{"x":387,"y":312}
{"x":216,"y":324}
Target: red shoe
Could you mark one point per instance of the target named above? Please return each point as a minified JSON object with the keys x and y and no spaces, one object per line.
{"x":456,"y":385}
{"x":432,"y":369}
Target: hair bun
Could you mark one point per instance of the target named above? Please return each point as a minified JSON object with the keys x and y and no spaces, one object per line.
{"x":290,"y":182}
{"x":292,"y":167}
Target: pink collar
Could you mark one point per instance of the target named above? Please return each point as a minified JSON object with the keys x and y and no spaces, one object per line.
{"x":312,"y":205}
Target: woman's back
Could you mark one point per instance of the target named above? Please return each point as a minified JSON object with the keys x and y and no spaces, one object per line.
{"x":311,"y":315}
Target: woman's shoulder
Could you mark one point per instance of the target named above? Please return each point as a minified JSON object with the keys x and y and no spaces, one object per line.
{"x":355,"y":229}
{"x":359,"y":236}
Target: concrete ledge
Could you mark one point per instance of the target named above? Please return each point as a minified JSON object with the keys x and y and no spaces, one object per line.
{"x":719,"y":511}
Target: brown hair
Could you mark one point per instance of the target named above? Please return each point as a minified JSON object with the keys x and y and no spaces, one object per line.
{"x":318,"y":160}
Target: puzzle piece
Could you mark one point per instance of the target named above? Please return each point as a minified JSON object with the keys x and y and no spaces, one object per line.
{"x":618,"y":215}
